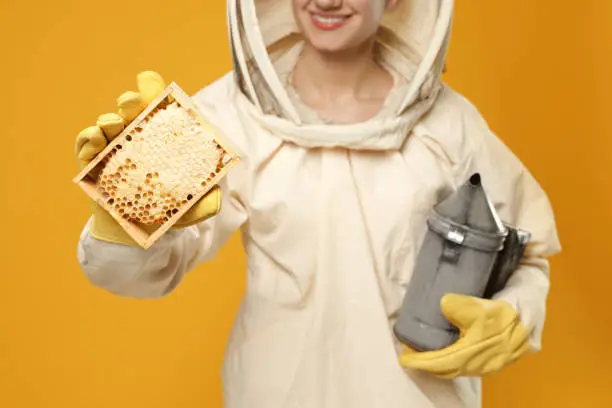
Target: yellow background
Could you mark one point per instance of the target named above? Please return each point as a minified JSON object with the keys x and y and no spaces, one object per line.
{"x":539,"y":70}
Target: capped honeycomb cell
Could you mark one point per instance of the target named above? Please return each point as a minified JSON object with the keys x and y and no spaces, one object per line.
{"x":158,"y":167}
{"x":171,"y":155}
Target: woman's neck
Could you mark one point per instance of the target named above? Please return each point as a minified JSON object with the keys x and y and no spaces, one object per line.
{"x":336,"y":76}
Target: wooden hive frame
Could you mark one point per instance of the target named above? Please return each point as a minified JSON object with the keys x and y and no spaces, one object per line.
{"x":87,"y":177}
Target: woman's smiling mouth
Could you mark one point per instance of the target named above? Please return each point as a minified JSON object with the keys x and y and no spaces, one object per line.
{"x":329,"y":21}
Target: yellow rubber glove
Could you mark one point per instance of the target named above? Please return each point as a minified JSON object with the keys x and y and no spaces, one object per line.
{"x":93,"y":140}
{"x":491,"y":337}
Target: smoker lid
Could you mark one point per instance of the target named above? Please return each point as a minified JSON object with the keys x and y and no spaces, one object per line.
{"x":470,"y":206}
{"x":467,"y":217}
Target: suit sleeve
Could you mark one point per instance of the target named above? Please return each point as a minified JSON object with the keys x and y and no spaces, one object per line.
{"x":135,"y":272}
{"x":520,"y":201}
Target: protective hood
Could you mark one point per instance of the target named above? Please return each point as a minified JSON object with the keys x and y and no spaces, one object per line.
{"x":265,"y":43}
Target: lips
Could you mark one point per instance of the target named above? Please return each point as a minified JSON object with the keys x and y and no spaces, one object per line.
{"x":329,"y":22}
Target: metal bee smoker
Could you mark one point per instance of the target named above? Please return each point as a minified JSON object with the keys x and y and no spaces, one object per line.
{"x":467,"y":250}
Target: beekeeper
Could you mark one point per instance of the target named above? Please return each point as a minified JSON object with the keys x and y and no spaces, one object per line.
{"x":348,"y":138}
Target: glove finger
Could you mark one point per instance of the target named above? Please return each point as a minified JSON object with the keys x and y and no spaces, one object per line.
{"x":490,"y":355}
{"x":111,"y":124}
{"x":436,"y":366}
{"x":488,"y":367}
{"x":519,"y":340}
{"x":150,"y":85}
{"x":411,"y":356}
{"x":430,"y":358}
{"x":130,"y":104}
{"x":207,"y":207}
{"x":408,"y":350}
{"x":89,"y":142}
{"x":486,"y":358}
{"x":460,"y":310}
{"x":438,"y":372}
{"x":477,"y":360}
{"x":522,"y":350}
{"x":464,"y":355}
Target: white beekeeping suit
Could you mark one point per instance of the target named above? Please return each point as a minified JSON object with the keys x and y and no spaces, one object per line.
{"x":332,"y":217}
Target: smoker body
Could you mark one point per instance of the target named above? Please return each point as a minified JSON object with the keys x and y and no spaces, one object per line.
{"x":507,"y":260}
{"x":463,"y":252}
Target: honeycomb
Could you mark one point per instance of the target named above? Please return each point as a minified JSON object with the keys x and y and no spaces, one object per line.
{"x":161,"y":165}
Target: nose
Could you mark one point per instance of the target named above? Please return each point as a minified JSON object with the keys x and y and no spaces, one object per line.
{"x":328,"y":4}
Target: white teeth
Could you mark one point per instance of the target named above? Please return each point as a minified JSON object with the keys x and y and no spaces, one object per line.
{"x":329,"y":20}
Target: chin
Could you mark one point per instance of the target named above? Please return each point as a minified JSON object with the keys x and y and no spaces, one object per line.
{"x":327,"y":45}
